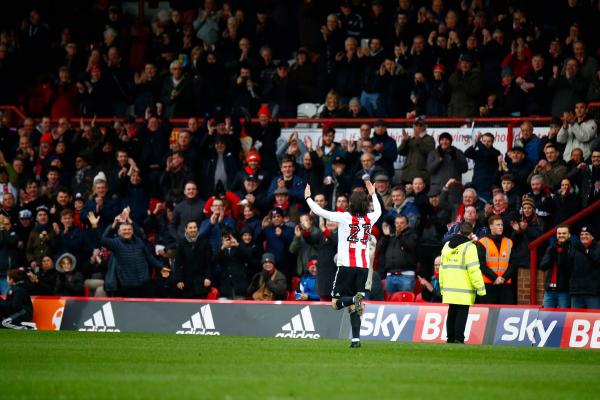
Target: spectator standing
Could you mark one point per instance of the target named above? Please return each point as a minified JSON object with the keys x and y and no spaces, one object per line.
{"x":175,"y":176}
{"x":527,"y":227}
{"x":485,"y":156}
{"x":559,"y":264}
{"x":399,"y":250}
{"x":193,"y":263}
{"x":305,"y":242}
{"x":444,"y":163}
{"x":566,"y":202}
{"x":288,"y":179}
{"x":277,"y":238}
{"x":552,"y":170}
{"x":384,"y":147}
{"x":212,"y":228}
{"x":130,"y":258}
{"x":584,"y":287}
{"x":402,"y":205}
{"x":465,"y":87}
{"x":327,"y":266}
{"x":568,"y":88}
{"x":416,"y":150}
{"x":530,"y":142}
{"x":577,"y":131}
{"x":190,"y":208}
{"x":41,"y":239}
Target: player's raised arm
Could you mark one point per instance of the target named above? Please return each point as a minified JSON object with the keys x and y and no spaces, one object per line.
{"x":332,"y":216}
{"x":374,"y":216}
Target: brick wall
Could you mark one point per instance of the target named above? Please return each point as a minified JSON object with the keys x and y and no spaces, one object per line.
{"x":523,"y":286}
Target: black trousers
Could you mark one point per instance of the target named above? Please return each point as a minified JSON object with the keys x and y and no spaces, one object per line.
{"x":456,"y":322}
{"x":498,"y":294}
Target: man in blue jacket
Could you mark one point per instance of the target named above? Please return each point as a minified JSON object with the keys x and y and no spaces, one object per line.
{"x":130,"y":257}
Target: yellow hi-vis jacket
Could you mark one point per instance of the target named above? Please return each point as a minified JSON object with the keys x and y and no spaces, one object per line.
{"x":460,"y":276}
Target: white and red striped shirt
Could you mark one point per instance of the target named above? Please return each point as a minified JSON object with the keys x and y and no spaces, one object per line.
{"x":353,"y":233}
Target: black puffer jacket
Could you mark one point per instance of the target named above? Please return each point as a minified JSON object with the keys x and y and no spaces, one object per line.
{"x":399,"y":251}
{"x":585,"y":276}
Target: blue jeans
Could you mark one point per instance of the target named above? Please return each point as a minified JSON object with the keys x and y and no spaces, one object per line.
{"x":557,"y":300}
{"x":3,"y":285}
{"x":583,"y":301}
{"x":371,"y":102}
{"x":399,"y":283}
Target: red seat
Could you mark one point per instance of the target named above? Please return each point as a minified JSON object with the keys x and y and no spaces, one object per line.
{"x":213,"y":294}
{"x":295,"y":283}
{"x":419,"y":298}
{"x":402,"y":297}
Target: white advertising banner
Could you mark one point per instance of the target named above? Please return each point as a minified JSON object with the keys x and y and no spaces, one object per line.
{"x":462,"y":138}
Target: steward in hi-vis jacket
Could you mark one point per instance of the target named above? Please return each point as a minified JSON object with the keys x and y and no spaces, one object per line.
{"x":460,"y":281}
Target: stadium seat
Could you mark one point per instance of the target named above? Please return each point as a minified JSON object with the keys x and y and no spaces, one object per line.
{"x":306,"y":110}
{"x":295,"y":283}
{"x":213,"y":294}
{"x":402,"y":297}
{"x":419,"y":298}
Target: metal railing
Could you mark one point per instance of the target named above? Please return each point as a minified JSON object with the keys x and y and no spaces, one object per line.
{"x":533,"y":246}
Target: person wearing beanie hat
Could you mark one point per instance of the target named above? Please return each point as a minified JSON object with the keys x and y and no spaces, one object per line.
{"x":526,"y":226}
{"x":46,"y":138}
{"x":528,"y":201}
{"x":101,"y":204}
{"x":264,"y":136}
{"x":584,"y":286}
{"x":464,"y":85}
{"x":445,"y":163}
{"x":264,"y":112}
{"x":268,"y":284}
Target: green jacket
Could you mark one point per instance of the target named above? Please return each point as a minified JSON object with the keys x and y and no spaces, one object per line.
{"x":460,"y":276}
{"x":416,"y":150}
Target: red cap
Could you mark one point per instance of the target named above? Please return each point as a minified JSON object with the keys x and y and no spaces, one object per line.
{"x":264,"y":110}
{"x":312,"y":262}
{"x":46,"y":138}
{"x":253,"y":156}
{"x":439,"y":67}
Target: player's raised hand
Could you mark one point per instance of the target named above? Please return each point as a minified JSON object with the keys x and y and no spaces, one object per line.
{"x":307,"y":191}
{"x":370,"y":187}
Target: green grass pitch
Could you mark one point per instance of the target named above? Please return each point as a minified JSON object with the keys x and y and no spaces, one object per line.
{"x":74,"y":365}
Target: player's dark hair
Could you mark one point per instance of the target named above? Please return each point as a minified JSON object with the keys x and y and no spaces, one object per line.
{"x":359,"y":204}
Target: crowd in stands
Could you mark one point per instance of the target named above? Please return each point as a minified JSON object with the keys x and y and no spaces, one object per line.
{"x":134,"y":209}
{"x":360,"y":58}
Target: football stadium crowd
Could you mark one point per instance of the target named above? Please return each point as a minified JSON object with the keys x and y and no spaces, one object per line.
{"x":131,"y":209}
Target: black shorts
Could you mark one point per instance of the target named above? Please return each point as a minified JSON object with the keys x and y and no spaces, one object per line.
{"x":348,"y":281}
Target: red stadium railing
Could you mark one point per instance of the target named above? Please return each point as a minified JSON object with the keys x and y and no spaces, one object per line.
{"x":533,"y":246}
